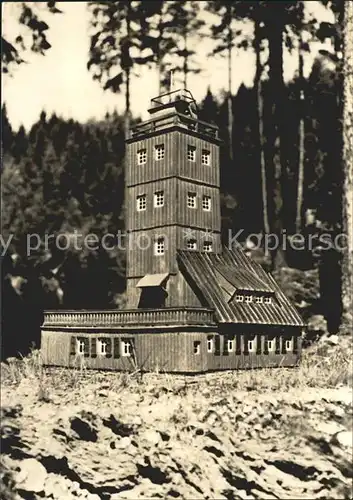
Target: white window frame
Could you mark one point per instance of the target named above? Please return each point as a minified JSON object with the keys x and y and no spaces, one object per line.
{"x":290,"y":348}
{"x":207,"y":246}
{"x":248,"y":299}
{"x":205,"y":157}
{"x":268,"y":300}
{"x":239,"y":298}
{"x":159,"y":246}
{"x":191,"y":153}
{"x":126,"y":348}
{"x":142,"y":156}
{"x":191,"y":244}
{"x":252,"y":345}
{"x":100,"y":344}
{"x":206,"y":203}
{"x":141,"y":202}
{"x":80,"y":347}
{"x":192,"y":200}
{"x":158,"y":200}
{"x":197,"y":347}
{"x":259,"y":300}
{"x":271,"y":344}
{"x":210,"y":344}
{"x":159,"y":152}
{"x":230,"y":345}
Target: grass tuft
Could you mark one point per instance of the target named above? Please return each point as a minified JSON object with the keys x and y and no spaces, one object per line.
{"x":322,"y":366}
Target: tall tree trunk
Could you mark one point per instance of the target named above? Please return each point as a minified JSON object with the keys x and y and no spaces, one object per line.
{"x":260,"y":119}
{"x":347,"y":194}
{"x":185,"y":62}
{"x":127,"y":118}
{"x":230,"y":103}
{"x":277,"y":164}
{"x":158,"y":54}
{"x":298,"y":221}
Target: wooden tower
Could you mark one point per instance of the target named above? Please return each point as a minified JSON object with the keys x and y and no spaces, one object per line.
{"x":173,"y":201}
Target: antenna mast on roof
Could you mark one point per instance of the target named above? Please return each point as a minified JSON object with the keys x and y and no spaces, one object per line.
{"x":172,"y":83}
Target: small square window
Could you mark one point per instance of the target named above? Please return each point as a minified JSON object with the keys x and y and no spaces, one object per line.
{"x":207,"y":246}
{"x":258,"y":300}
{"x":141,"y":202}
{"x":80,"y":346}
{"x":191,"y":245}
{"x":205,"y":157}
{"x":268,"y":300}
{"x":159,"y":199}
{"x":239,"y":298}
{"x":251,"y":345}
{"x":141,"y":156}
{"x":230,"y":345}
{"x":126,"y":348}
{"x":270,"y":345}
{"x":289,"y":345}
{"x":191,"y":200}
{"x":197,"y":347}
{"x":159,"y":152}
{"x":248,"y":298}
{"x":159,"y":246}
{"x":206,"y":203}
{"x":209,"y":344}
{"x":191,"y":153}
{"x":102,"y":347}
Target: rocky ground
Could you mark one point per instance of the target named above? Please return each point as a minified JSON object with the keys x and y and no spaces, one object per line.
{"x":217,"y":436}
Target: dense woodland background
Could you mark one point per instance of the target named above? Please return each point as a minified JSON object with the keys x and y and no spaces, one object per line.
{"x":282,"y":161}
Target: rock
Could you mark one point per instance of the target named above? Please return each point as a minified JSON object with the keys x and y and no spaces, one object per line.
{"x":151,"y":436}
{"x":330,"y":428}
{"x":124,"y":442}
{"x":32,"y":475}
{"x":333,"y":340}
{"x":136,"y":420}
{"x":344,"y":439}
{"x":337,"y":411}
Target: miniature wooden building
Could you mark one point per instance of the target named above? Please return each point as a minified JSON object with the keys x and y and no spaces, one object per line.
{"x":192,"y":306}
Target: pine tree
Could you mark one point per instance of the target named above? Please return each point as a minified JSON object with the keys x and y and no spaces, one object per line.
{"x":186,"y":24}
{"x":347,"y":187}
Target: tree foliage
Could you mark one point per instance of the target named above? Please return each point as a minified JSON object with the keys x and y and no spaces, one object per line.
{"x":29,"y":16}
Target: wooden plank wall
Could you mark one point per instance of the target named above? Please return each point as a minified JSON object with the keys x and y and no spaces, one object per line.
{"x":164,"y":351}
{"x":152,"y":216}
{"x":207,"y":174}
{"x":55,"y":347}
{"x":152,"y":170}
{"x":180,"y":292}
{"x":140,"y":252}
{"x":197,"y":217}
{"x":175,"y":161}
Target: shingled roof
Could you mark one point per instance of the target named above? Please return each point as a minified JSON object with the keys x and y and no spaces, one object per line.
{"x":245,"y":275}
